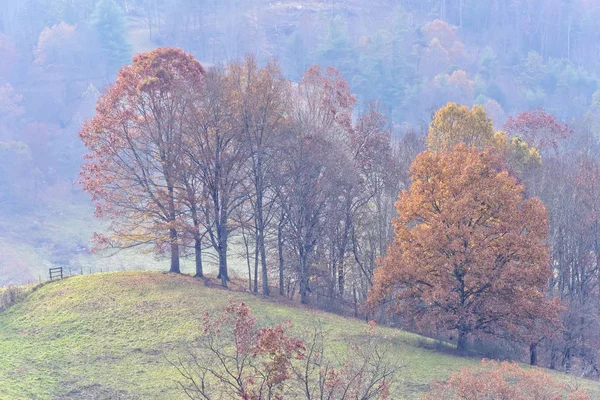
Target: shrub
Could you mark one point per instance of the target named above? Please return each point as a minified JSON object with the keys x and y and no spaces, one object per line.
{"x":9,"y":296}
{"x":503,"y":381}
{"x":235,"y":359}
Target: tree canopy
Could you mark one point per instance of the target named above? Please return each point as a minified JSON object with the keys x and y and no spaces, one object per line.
{"x":469,"y":253}
{"x":135,"y":146}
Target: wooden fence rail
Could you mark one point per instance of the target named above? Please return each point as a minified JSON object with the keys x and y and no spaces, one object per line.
{"x":55,"y":273}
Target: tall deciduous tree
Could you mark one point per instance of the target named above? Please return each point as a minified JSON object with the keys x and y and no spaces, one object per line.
{"x":307,"y":179}
{"x":454,"y":124}
{"x":135,"y":144}
{"x":363,"y":197}
{"x":260,"y":105}
{"x":191,"y":192}
{"x":310,"y":172}
{"x":469,"y":253}
{"x":215,"y":147}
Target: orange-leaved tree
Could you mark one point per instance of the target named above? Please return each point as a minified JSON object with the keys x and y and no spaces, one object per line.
{"x":135,"y":144}
{"x":469,"y":253}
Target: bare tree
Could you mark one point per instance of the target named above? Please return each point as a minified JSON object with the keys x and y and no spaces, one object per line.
{"x":260,"y":101}
{"x":217,"y":150}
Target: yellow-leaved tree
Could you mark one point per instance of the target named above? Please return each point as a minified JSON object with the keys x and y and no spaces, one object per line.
{"x":454,"y":124}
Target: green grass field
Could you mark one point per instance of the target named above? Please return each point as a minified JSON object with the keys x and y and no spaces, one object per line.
{"x":108,"y":336}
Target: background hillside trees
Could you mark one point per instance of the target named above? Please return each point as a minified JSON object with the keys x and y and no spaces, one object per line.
{"x":108,"y":23}
{"x":454,"y":124}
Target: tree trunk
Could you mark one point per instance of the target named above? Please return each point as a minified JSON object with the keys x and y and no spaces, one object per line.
{"x":341,"y":269}
{"x":222,"y":250}
{"x":533,"y":354}
{"x":197,"y":243}
{"x":280,"y":253}
{"x":245,"y":238}
{"x":263,"y":259}
{"x":198,"y":254}
{"x":223,"y":267}
{"x":355,"y":297}
{"x":172,"y":231}
{"x":303,"y":291}
{"x":303,"y":277}
{"x":553,"y":358}
{"x":341,"y":278}
{"x":174,"y":252}
{"x":260,"y":235}
{"x":256,"y":261}
{"x":462,"y":344}
{"x":381,"y":224}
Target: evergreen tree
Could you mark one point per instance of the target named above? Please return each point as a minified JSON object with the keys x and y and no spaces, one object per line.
{"x":336,"y":49}
{"x":108,"y":22}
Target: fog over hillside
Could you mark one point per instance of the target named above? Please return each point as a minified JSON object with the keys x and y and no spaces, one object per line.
{"x":270,"y":140}
{"x":411,"y":56}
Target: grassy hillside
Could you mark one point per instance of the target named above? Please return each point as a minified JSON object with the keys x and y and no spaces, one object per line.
{"x":106,"y":336}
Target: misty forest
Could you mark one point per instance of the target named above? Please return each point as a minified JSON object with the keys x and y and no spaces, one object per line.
{"x":266,"y":200}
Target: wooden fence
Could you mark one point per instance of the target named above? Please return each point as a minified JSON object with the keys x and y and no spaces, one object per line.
{"x":55,"y":273}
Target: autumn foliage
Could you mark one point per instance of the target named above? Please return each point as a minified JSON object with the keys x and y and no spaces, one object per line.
{"x":503,"y":381}
{"x":135,"y":144}
{"x":454,"y":124}
{"x":539,"y":128}
{"x":234,"y":358}
{"x":180,"y":157}
{"x":469,"y":253}
{"x":240,"y":360}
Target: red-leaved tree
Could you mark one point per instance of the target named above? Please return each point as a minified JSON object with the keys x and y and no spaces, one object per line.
{"x":538,"y":128}
{"x":239,"y":360}
{"x":235,"y":358}
{"x":135,"y":144}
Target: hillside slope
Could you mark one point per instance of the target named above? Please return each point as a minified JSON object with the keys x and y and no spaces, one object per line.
{"x":108,"y":336}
